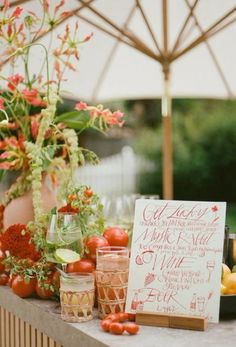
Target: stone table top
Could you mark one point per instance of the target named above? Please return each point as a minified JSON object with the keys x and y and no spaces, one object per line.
{"x":41,"y":314}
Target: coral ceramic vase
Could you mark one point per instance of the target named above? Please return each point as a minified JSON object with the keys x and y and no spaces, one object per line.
{"x":20,"y":210}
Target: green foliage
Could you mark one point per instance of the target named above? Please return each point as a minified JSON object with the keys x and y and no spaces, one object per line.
{"x":231,"y":217}
{"x":77,"y":120}
{"x":204,"y":146}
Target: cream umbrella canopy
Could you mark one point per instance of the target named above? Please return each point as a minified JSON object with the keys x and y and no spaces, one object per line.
{"x":154,"y":48}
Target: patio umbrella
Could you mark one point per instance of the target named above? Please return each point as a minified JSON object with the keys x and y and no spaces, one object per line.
{"x":154,"y":48}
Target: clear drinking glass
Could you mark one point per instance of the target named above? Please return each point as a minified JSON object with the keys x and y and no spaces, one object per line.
{"x":63,"y":232}
{"x":119,"y":211}
{"x":112,"y":279}
{"x":77,"y":297}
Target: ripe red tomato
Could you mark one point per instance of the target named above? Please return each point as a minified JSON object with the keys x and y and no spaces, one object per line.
{"x":3,"y":279}
{"x":131,"y":317}
{"x":2,"y":256}
{"x":105,"y":324}
{"x":11,"y":278}
{"x":116,"y":236}
{"x":123,"y":316}
{"x":23,"y":288}
{"x":71,"y":197}
{"x":93,"y":243}
{"x":56,"y":280}
{"x":114,"y":317}
{"x":2,"y":268}
{"x":131,"y":328}
{"x":117,"y":328}
{"x":83,"y":265}
{"x":43,"y":290}
{"x":88,"y":193}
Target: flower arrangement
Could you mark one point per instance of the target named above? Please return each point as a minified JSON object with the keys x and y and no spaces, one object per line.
{"x":34,"y":138}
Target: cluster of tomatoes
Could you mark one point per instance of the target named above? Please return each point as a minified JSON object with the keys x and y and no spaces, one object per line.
{"x":113,"y":236}
{"x":3,"y":275}
{"x":25,"y":285}
{"x":118,"y":323}
{"x":73,"y":201}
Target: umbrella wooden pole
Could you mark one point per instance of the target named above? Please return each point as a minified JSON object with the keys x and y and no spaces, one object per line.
{"x":167,"y":167}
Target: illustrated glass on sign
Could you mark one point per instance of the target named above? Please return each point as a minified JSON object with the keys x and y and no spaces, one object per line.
{"x":193,"y":303}
{"x":210,"y":267}
{"x":201,"y":305}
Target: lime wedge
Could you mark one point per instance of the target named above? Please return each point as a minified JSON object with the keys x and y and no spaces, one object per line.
{"x":63,"y":255}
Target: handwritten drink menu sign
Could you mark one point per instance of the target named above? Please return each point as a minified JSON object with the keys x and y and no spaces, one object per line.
{"x":176,"y":258}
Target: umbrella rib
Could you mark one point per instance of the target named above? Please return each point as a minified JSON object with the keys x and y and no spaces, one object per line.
{"x":165,"y":27}
{"x":18,"y":2}
{"x":109,"y":59}
{"x":180,"y":35}
{"x":213,"y":56}
{"x":119,"y":38}
{"x":212,"y":30}
{"x":148,"y":26}
{"x":138,"y":43}
{"x":187,"y":33}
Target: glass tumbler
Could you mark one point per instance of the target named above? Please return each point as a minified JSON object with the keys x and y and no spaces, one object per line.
{"x":112,"y":279}
{"x":77,"y":297}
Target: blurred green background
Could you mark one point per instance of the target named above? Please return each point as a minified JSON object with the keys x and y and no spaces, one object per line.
{"x":204,"y":149}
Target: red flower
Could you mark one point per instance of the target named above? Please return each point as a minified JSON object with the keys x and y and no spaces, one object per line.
{"x":45,"y":5}
{"x":14,"y":80}
{"x":5,"y":5}
{"x":68,"y":209}
{"x":17,"y":240}
{"x":2,"y":104}
{"x":87,"y":38}
{"x":114,"y":118}
{"x":9,"y":30}
{"x":81,"y":106}
{"x":12,"y":152}
{"x":60,"y":4}
{"x":32,"y":97}
{"x":17,"y":11}
{"x":2,"y":208}
{"x":34,"y":126}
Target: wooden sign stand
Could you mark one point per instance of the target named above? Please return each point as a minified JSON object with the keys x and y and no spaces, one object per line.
{"x":171,"y":321}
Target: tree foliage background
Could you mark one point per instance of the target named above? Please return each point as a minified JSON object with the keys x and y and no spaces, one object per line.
{"x":204,"y":147}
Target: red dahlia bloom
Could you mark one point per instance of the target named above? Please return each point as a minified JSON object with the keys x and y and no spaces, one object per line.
{"x":16,"y":240}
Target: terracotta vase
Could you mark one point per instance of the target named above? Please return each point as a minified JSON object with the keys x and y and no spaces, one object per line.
{"x":20,"y":210}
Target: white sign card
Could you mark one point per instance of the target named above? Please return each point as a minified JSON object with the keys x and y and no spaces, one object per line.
{"x":176,"y":257}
